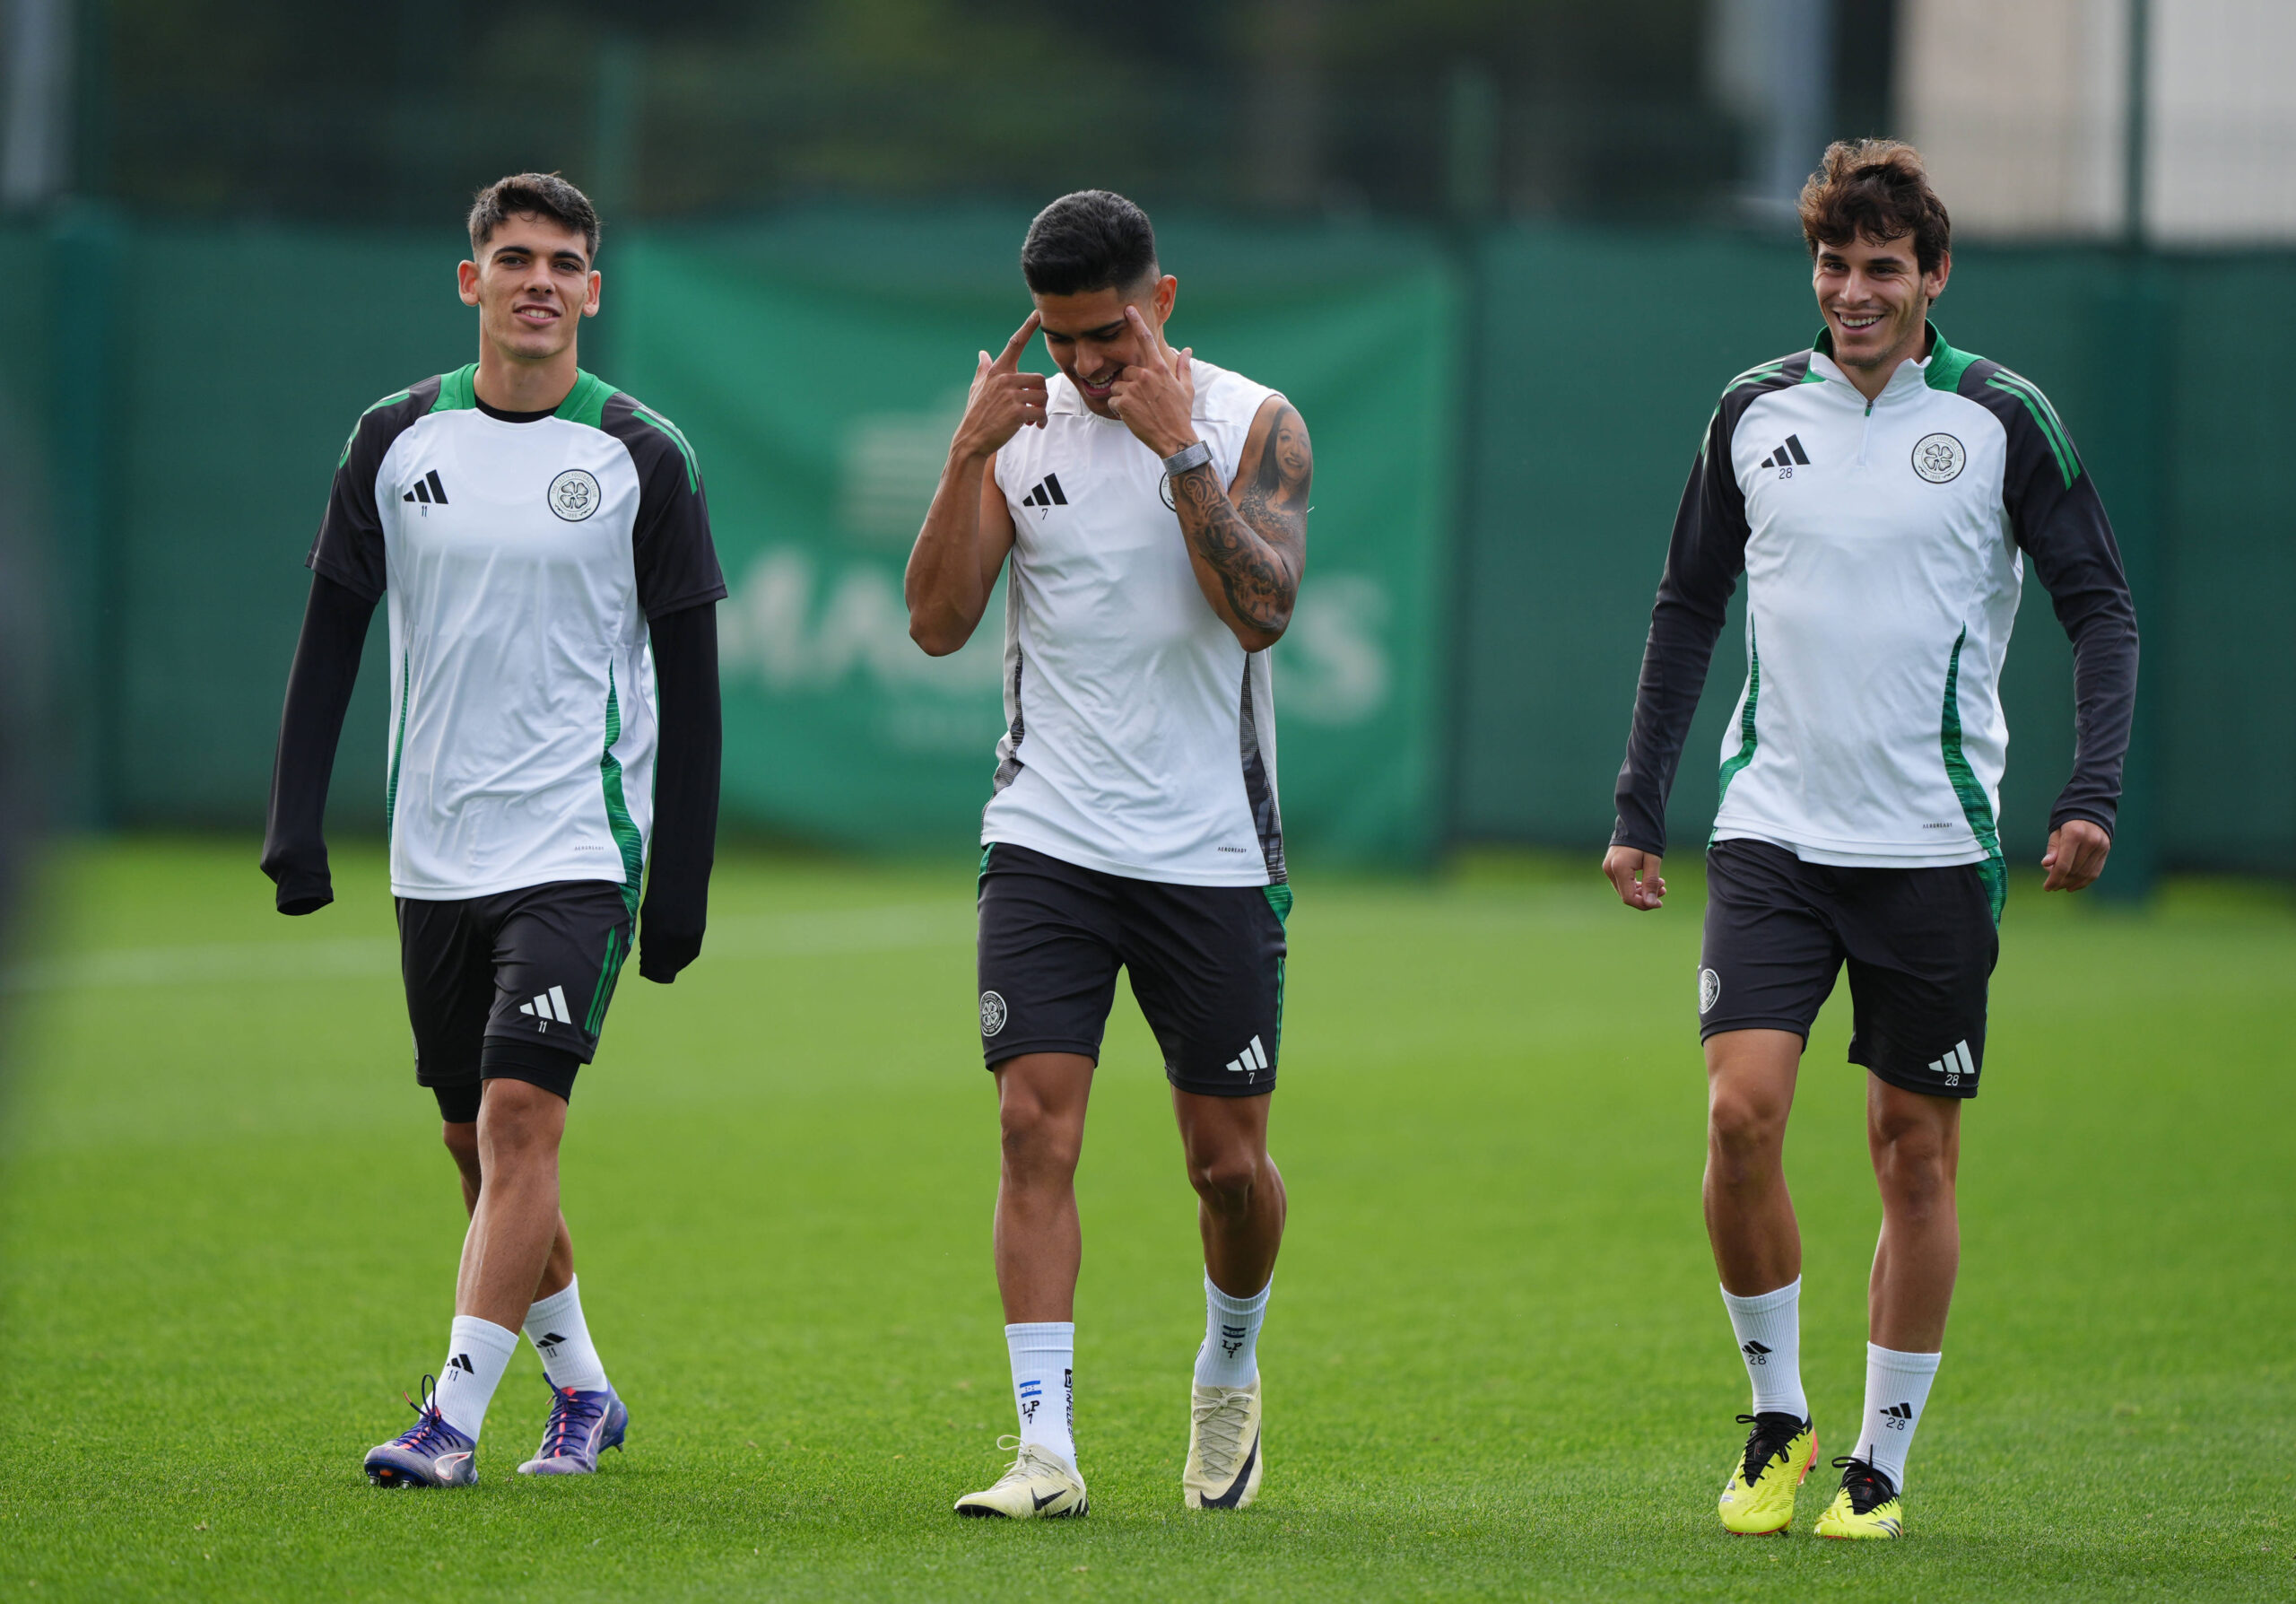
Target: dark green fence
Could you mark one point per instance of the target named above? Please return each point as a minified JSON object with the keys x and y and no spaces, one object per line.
{"x":1539,"y":394}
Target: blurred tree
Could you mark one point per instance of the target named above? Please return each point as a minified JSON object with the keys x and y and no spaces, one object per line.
{"x":396,"y":109}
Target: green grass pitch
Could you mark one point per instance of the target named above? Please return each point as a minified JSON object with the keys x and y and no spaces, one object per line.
{"x":1496,"y":1364}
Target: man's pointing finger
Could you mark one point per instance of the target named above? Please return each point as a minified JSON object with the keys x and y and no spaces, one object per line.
{"x":1011,"y":358}
{"x":1148,"y":340}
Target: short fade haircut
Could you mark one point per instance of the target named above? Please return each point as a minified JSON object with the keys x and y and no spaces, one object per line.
{"x":542,"y":193}
{"x":1878,"y":189}
{"x":1092,"y":240}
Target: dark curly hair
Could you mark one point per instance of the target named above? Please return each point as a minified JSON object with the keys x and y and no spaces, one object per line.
{"x":1877,"y":188}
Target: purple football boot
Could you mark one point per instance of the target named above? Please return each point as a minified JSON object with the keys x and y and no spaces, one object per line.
{"x":429,"y":1454}
{"x":582,"y":1426}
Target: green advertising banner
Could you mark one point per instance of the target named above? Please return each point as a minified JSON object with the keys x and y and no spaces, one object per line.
{"x":819,"y":367}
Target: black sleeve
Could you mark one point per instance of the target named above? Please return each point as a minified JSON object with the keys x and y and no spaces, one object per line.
{"x":349,"y":547}
{"x":676,"y":559}
{"x":318,"y":694}
{"x":685,"y":791}
{"x":1703,"y":561}
{"x":2058,"y":520}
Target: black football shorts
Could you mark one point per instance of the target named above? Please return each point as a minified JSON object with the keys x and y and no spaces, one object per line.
{"x":514,"y":984}
{"x":1206,"y":963}
{"x":1920,"y":944}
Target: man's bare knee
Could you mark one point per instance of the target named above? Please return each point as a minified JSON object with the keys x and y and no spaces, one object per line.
{"x":519,"y":1124}
{"x":1913,"y":1168}
{"x":1745,"y":1133}
{"x":1038,"y":1144}
{"x":1225,"y":1182}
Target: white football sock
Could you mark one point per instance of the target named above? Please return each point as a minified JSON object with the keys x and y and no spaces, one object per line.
{"x":560,"y":1334}
{"x":1229,"y":1356}
{"x":1044,"y":1383}
{"x":1768,"y":1329}
{"x":477,"y":1353}
{"x":1897,"y":1390}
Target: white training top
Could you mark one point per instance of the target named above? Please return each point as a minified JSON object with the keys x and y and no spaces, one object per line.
{"x":1881,"y":581}
{"x":521,"y":560}
{"x":1141,"y":736}
{"x":1883,"y":549}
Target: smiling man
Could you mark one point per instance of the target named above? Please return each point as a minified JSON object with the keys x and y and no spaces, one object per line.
{"x":1880,"y":494}
{"x":1154,"y":509}
{"x":536,"y":531}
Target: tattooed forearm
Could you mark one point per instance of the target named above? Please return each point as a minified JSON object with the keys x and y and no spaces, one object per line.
{"x":1259,"y":583}
{"x":1255,"y":545}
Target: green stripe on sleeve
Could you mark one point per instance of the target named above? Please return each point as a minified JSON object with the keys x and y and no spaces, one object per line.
{"x":685,"y":447}
{"x":2045,"y":417}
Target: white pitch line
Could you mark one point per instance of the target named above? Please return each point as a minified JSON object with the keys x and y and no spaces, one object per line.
{"x":896,"y":928}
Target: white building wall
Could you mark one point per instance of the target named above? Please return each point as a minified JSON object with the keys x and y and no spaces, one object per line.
{"x":2221,"y":158}
{"x":2020,"y":108}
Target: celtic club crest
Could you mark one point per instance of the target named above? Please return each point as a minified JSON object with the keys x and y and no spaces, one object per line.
{"x":574,"y":495}
{"x":1939,"y":457}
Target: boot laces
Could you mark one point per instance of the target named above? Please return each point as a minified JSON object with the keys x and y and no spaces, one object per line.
{"x":1030,"y":1459}
{"x":429,"y":1433}
{"x":571,"y":1416}
{"x":1220,"y":1430}
{"x":1867,"y":1488}
{"x":1772,"y":1431}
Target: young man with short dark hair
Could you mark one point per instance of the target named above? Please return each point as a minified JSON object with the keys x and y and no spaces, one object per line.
{"x":544,"y":544}
{"x":1881,"y":492}
{"x":1154,"y":509}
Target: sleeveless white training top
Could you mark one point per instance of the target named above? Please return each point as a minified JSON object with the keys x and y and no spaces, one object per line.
{"x":1140,"y":736}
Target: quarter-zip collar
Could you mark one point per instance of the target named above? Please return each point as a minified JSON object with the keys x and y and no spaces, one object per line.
{"x":1914,"y":373}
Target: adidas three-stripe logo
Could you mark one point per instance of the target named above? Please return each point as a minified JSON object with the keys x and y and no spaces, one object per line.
{"x":1755,"y":1352}
{"x":1788,"y":455}
{"x":550,"y":1005}
{"x":1249,"y":1062}
{"x":1955,"y":1065}
{"x":1046,"y":495}
{"x":1898,"y":1417}
{"x":548,"y":1341}
{"x":429,"y":490}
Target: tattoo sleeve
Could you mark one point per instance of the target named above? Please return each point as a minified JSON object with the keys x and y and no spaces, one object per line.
{"x":1256,"y":545}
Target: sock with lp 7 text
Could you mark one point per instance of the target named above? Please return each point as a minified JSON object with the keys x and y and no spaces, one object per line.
{"x":1229,"y":1356}
{"x":1044,"y":1383}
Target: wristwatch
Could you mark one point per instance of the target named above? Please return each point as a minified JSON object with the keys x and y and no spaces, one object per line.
{"x":1187,"y":457}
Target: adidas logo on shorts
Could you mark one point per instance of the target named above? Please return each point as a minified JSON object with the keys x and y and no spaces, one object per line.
{"x":1955,"y":1065}
{"x":550,"y":1005}
{"x":1249,"y":1062}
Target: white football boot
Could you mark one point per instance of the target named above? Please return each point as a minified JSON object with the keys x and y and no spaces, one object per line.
{"x":1223,"y":1457}
{"x":1041,"y":1485}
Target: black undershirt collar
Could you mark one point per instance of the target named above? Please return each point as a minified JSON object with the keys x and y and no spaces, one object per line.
{"x":513,"y":417}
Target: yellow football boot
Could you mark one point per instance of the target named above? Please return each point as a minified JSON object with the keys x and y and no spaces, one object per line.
{"x":1758,"y":1499}
{"x":1867,"y":1505}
